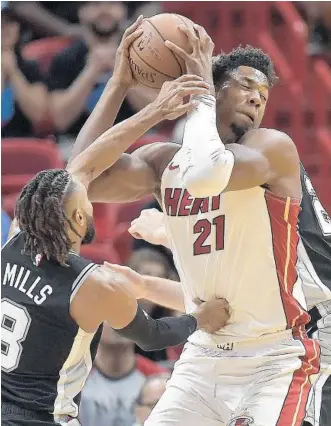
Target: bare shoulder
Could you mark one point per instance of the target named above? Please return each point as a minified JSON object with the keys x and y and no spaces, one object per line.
{"x":102,"y":297}
{"x":267,"y":138}
{"x":84,"y":307}
{"x":278,"y":147}
{"x":158,"y":155}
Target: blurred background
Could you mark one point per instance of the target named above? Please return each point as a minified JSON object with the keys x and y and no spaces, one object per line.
{"x":56,"y":58}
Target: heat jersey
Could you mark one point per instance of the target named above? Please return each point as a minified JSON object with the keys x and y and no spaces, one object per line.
{"x":45,"y":356}
{"x":314,"y":251}
{"x":241,"y":246}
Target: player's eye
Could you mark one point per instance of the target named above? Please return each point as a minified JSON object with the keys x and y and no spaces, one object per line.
{"x":263,"y":97}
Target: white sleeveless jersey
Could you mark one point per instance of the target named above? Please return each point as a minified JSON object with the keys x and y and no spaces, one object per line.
{"x":241,"y":246}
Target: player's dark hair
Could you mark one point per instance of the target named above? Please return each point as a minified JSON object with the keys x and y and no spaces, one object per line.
{"x":247,"y":56}
{"x":41,"y":216}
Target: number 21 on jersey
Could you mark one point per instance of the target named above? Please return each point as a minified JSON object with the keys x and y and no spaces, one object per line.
{"x":204,"y":228}
{"x":15,"y":324}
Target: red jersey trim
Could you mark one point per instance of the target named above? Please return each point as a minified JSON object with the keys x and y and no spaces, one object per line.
{"x":283,"y":214}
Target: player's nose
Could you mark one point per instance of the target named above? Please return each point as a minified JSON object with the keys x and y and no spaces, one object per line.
{"x":255,"y":99}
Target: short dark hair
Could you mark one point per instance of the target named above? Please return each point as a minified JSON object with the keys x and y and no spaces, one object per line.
{"x":41,"y":216}
{"x":149,"y":255}
{"x":248,"y":56}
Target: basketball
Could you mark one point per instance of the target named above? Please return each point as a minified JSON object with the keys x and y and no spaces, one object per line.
{"x":152,"y":63}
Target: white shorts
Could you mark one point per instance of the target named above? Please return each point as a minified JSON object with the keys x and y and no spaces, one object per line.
{"x":260,"y":383}
{"x":319,"y":401}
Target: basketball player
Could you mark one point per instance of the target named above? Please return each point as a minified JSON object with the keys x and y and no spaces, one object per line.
{"x":231,"y":197}
{"x":54,"y":301}
{"x":314,"y":268}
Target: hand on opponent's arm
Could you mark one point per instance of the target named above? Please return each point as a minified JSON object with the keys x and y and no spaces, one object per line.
{"x":109,"y":294}
{"x":108,"y":147}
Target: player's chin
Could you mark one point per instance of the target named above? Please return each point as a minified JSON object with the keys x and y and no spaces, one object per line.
{"x":239,"y":130}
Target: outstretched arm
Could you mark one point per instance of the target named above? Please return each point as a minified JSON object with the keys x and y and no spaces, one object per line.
{"x":109,"y":147}
{"x":108,"y":296}
{"x":163,"y":292}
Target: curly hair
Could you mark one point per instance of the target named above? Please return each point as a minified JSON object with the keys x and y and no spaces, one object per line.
{"x":248,"y":56}
{"x":41,"y":216}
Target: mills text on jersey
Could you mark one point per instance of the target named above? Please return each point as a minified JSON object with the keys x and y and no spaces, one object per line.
{"x":45,"y":356}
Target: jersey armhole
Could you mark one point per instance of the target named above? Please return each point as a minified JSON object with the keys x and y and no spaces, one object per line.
{"x":79,"y":281}
{"x":16,"y":231}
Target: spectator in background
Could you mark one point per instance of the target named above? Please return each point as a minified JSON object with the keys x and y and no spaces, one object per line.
{"x":49,"y":18}
{"x":78,"y":75}
{"x":139,"y":244}
{"x":320,"y":41}
{"x":150,"y":261}
{"x":5,"y":226}
{"x":114,"y":382}
{"x":60,"y":18}
{"x":317,"y":14}
{"x":149,"y":396}
{"x":23,"y":93}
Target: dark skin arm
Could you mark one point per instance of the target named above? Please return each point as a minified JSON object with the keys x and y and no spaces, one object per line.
{"x":266,"y":156}
{"x":133,"y":176}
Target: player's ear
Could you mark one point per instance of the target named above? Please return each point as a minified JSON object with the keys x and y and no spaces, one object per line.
{"x":79,"y":217}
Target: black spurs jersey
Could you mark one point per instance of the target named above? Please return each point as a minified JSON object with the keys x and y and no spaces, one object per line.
{"x":314,"y":251}
{"x":45,"y":356}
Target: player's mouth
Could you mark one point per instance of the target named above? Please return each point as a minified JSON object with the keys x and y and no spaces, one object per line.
{"x":249,"y":116}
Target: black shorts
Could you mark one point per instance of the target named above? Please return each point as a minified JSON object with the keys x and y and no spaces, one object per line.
{"x":11,"y":415}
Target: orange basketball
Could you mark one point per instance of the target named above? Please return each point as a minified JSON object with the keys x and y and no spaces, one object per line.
{"x":152,"y":63}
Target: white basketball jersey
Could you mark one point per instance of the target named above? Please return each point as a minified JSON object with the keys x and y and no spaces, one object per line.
{"x":241,"y":246}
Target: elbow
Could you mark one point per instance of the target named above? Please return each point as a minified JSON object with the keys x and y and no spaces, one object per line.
{"x":40,"y":114}
{"x":61,"y":123}
{"x":210,"y":184}
{"x":211,"y":179}
{"x":59,"y":113}
{"x":202,"y":188}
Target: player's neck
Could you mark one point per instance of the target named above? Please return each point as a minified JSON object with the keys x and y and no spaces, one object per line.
{"x":113,"y":364}
{"x":76,"y":245}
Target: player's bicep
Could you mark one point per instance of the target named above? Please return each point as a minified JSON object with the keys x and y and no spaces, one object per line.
{"x":264,"y":157}
{"x":129,"y":179}
{"x":251,"y":168}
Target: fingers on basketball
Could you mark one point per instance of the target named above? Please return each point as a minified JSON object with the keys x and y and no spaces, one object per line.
{"x":132,"y":28}
{"x":177,"y":50}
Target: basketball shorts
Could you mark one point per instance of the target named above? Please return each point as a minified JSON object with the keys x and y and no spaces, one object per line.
{"x":319,"y":401}
{"x":265,"y":382}
{"x":11,"y":415}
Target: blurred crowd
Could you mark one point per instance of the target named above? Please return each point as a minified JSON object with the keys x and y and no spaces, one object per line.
{"x":56,"y":100}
